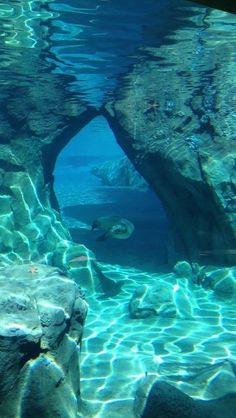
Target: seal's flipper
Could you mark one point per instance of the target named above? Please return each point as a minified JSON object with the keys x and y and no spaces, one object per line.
{"x":94,"y":225}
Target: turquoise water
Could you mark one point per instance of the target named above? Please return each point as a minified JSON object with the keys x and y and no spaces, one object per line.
{"x":83,"y":198}
{"x":170,"y":66}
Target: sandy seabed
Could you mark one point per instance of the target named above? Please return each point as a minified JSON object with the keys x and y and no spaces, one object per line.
{"x":118,"y":351}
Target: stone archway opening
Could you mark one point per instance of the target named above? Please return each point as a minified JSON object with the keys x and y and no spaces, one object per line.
{"x":93,"y":178}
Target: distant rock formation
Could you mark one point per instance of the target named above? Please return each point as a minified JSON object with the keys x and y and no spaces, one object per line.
{"x":119,"y":173}
{"x":42,"y":315}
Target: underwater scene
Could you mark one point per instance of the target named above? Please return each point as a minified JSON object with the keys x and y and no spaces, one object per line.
{"x":117,"y":209}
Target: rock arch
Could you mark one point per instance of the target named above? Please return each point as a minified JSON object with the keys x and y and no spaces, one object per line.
{"x":196,"y":185}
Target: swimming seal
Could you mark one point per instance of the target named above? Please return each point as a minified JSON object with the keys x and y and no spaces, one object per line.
{"x":114,"y":227}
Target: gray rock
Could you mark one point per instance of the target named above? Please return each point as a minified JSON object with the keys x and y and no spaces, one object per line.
{"x":34,"y":129}
{"x":152,"y":301}
{"x":41,"y":323}
{"x":164,"y":400}
{"x":188,"y":162}
{"x":223,"y":282}
{"x":192,"y":272}
{"x":183,"y":269}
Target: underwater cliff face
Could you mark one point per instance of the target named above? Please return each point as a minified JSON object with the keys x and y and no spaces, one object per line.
{"x":173,"y":117}
{"x":163,"y":75}
{"x":196,"y":125}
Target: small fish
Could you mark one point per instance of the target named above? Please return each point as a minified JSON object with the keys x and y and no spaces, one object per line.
{"x":114,"y":227}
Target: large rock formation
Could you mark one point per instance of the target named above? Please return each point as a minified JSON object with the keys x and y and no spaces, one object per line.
{"x":36,"y":123}
{"x":42,"y":317}
{"x":42,"y":313}
{"x":174,"y":117}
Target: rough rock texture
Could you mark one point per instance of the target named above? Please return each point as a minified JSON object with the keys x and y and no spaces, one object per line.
{"x":119,"y":173}
{"x":173,"y":298}
{"x":180,"y":135}
{"x":41,"y":311}
{"x":178,"y":296}
{"x":76,"y":261}
{"x":38,"y":117}
{"x":41,"y":323}
{"x":221,"y":280}
{"x":166,"y":401}
{"x":29,"y":225}
{"x":192,"y":272}
{"x":146,"y":302}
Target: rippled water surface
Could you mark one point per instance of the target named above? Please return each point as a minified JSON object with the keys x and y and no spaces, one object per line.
{"x":94,"y":40}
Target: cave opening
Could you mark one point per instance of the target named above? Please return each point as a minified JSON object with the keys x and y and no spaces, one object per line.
{"x":94,"y":178}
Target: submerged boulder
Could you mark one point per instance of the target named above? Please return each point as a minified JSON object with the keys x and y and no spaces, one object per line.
{"x":167,"y":299}
{"x":148,"y":302}
{"x":159,"y":399}
{"x":223,"y":282}
{"x":41,"y":325}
